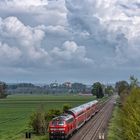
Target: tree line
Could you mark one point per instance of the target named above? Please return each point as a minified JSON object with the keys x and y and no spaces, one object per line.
{"x":128,"y":115}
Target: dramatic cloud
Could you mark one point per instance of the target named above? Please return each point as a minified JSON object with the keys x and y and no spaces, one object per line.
{"x":111,"y":22}
{"x":92,"y":38}
{"x":24,"y":45}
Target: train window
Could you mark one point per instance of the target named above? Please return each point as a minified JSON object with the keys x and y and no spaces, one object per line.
{"x":80,"y":113}
{"x":54,"y":123}
{"x":88,"y":108}
{"x":70,"y":120}
{"x":60,"y":122}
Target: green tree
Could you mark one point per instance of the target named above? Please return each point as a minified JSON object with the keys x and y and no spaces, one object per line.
{"x":97,"y":90}
{"x":121,"y":86}
{"x":38,"y":121}
{"x":109,"y":90}
{"x":78,"y":87}
{"x":3,"y":87}
{"x":134,"y":83}
{"x":131,"y":116}
{"x":123,"y":89}
{"x":52,"y":113}
{"x":66,"y":107}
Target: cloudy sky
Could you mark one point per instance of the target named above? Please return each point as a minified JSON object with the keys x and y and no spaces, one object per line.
{"x":69,"y":40}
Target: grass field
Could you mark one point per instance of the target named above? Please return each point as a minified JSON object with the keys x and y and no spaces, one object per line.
{"x":16,"y":110}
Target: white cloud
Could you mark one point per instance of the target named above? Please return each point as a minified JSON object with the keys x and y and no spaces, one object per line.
{"x":25,"y":40}
{"x":9,"y":55}
{"x":60,"y":30}
{"x":25,"y":3}
{"x":23,"y":44}
{"x":11,"y":27}
{"x":37,"y":11}
{"x":70,"y":51}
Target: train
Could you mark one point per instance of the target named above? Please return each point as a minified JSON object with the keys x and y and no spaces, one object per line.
{"x":63,"y":126}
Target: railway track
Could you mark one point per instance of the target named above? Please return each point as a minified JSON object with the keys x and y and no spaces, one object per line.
{"x":97,"y":125}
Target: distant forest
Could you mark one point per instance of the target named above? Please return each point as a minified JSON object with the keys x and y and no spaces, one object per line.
{"x":53,"y":88}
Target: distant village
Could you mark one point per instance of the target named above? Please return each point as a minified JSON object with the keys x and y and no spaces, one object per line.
{"x":52,"y":88}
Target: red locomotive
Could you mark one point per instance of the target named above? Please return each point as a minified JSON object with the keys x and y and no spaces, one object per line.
{"x":63,"y":126}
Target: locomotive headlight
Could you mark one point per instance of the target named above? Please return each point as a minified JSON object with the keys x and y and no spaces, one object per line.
{"x":53,"y":129}
{"x":62,"y":129}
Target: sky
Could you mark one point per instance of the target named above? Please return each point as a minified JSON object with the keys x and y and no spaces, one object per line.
{"x":69,"y":40}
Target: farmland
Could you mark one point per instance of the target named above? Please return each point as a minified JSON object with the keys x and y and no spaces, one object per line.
{"x":16,"y":110}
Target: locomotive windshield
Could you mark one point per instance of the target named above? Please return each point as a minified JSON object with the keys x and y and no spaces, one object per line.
{"x":58,"y":122}
{"x":54,"y":123}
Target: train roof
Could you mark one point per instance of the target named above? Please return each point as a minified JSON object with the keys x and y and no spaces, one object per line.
{"x":89,"y":104}
{"x":63,"y":117}
{"x":93,"y":102}
{"x":76,"y":110}
{"x":80,"y":108}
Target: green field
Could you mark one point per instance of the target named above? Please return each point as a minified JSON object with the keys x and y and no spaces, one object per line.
{"x":15,"y":111}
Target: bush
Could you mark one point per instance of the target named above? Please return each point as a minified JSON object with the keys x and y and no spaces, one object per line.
{"x":52,"y":113}
{"x":131,"y":116}
{"x":66,"y":107}
{"x":38,"y":122}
